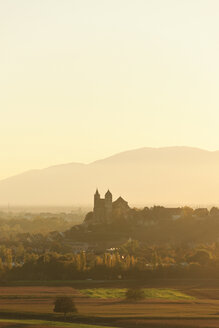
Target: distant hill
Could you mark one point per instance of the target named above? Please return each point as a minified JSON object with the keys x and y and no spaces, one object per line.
{"x":172,"y":175}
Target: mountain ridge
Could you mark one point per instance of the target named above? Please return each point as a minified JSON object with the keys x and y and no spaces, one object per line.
{"x":162,"y":175}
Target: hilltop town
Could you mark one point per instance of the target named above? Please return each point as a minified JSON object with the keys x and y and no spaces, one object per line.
{"x":107,"y":212}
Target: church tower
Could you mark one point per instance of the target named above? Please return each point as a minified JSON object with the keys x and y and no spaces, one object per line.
{"x":108,"y":205}
{"x":103,"y":207}
{"x":96,"y":200}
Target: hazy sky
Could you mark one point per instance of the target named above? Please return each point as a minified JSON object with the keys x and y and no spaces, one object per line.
{"x":81,"y":79}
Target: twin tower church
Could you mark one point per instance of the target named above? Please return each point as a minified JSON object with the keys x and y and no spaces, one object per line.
{"x":105,"y":210}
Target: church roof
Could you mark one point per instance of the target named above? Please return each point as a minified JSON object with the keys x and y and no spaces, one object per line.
{"x":120,"y":200}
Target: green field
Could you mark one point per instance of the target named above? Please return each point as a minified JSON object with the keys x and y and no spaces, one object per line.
{"x":149,"y":293}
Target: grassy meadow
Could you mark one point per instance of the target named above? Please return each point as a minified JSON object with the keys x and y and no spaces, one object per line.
{"x":149,"y":293}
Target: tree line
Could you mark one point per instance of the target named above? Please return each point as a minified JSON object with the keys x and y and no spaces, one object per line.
{"x":132,"y":260}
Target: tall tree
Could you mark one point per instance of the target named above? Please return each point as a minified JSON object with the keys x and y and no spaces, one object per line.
{"x":64,"y":305}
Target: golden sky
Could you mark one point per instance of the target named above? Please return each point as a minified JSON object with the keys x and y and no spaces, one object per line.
{"x":81,"y":79}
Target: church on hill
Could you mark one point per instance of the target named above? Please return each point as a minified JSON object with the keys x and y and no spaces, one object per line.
{"x":105,"y":210}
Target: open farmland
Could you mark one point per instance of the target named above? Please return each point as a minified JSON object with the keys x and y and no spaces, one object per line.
{"x":191,"y":305}
{"x":9,"y":323}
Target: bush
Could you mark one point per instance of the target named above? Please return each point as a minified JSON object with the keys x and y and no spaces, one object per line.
{"x":135,"y":294}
